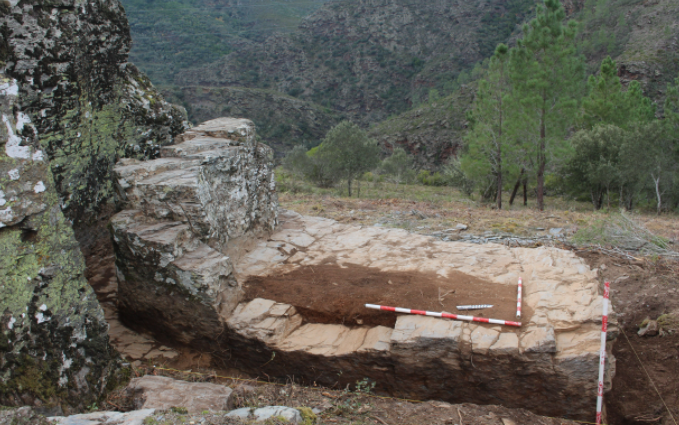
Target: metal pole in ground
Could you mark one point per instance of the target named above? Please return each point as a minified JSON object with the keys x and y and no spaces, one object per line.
{"x":602,"y":354}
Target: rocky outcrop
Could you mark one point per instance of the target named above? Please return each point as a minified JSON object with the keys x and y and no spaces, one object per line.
{"x":71,"y":106}
{"x":89,"y":106}
{"x":432,"y":133}
{"x":53,"y":336}
{"x":213,"y":190}
{"x":549,"y":365}
{"x":177,"y":280}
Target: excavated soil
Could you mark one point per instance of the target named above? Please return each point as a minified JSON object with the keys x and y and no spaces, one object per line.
{"x":639,"y":290}
{"x":337,"y":295}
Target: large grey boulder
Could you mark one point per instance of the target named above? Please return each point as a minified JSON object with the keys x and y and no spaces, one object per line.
{"x":182,"y":212}
{"x":53,"y":335}
{"x":89,"y":105}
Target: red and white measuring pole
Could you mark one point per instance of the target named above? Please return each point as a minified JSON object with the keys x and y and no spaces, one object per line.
{"x":518,"y":299}
{"x":602,"y":354}
{"x":443,"y":315}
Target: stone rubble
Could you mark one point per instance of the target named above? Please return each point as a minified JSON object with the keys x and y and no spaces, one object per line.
{"x":181,"y":278}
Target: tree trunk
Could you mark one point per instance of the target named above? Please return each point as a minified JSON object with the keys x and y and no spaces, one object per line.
{"x":349,"y":186}
{"x":597,"y":198}
{"x":542,"y":158}
{"x":358,"y":188}
{"x":656,"y":181}
{"x":499,"y":177}
{"x":516,"y":187}
{"x":499,"y":154}
{"x":525,"y":192}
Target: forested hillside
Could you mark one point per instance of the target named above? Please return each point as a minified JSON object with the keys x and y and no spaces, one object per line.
{"x":408,"y":70}
{"x":366,"y":60}
{"x":173,"y":35}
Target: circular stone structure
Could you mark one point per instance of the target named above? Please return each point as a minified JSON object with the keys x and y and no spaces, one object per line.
{"x":205,"y":258}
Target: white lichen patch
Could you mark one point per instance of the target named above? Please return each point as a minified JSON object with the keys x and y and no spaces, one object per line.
{"x":10,"y":88}
{"x":6,"y":216}
{"x":39,"y":187}
{"x":22,"y":119}
{"x":13,"y":146}
{"x":43,"y":307}
{"x":38,"y":156}
{"x":12,"y":321}
{"x":41,"y":318}
{"x":2,"y":198}
{"x":14,"y":174}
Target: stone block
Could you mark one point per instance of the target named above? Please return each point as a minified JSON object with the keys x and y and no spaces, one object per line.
{"x":159,"y":392}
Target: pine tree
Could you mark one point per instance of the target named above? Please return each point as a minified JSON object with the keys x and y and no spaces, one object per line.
{"x":548,"y":76}
{"x":347,"y":152}
{"x":605,"y":100}
{"x":490,"y":117}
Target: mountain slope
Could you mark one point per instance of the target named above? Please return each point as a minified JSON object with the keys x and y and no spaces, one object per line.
{"x":367,"y":58}
{"x":173,"y":35}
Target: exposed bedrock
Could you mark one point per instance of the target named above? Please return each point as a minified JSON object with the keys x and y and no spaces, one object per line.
{"x":212,"y":189}
{"x":211,"y":277}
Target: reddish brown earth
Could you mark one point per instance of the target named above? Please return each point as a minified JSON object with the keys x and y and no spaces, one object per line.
{"x":334,"y":294}
{"x":650,"y":290}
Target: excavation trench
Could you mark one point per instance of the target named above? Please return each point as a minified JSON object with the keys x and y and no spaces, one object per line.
{"x":331,"y":294}
{"x":204,"y":257}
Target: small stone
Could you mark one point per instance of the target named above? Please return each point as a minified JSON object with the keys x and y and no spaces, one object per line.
{"x":461,"y":227}
{"x":651,"y":329}
{"x":556,"y":231}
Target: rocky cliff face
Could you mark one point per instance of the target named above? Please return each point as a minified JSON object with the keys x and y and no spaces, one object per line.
{"x":71,"y":105}
{"x":89,"y":106}
{"x":432,"y":133}
{"x":53,"y":339}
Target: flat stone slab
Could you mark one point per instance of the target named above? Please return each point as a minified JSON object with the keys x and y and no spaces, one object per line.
{"x":262,"y":414}
{"x":159,"y":392}
{"x":135,"y":417}
{"x":557,"y":347}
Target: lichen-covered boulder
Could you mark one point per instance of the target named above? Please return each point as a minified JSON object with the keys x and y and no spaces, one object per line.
{"x":89,"y":105}
{"x":53,"y":336}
